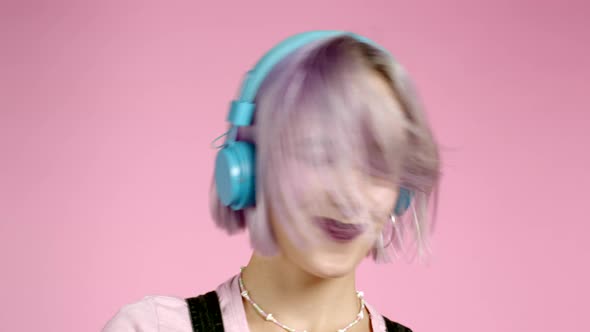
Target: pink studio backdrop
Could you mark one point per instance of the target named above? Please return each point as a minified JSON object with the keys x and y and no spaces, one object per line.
{"x":107,"y":110}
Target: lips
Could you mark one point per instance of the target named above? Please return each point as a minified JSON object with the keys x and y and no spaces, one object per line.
{"x":339,"y":231}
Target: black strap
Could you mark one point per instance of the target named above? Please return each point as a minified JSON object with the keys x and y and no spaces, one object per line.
{"x":205,"y":313}
{"x":395,"y":327}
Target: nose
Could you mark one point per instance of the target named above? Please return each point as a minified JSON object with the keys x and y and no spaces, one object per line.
{"x":354,"y":196}
{"x":349,"y":208}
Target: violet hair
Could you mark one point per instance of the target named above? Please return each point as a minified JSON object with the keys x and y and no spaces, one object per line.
{"x":315,"y":107}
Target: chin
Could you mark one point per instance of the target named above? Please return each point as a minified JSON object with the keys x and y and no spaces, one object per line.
{"x":326,"y":265}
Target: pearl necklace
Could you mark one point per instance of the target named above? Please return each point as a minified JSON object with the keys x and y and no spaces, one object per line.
{"x":269,"y":317}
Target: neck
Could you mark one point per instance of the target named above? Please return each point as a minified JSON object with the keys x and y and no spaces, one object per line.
{"x":297,"y":298}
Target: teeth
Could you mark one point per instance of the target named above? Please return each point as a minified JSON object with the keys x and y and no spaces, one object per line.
{"x":338,"y":224}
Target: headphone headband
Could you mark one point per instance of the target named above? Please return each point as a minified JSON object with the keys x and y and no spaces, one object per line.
{"x":242,"y":110}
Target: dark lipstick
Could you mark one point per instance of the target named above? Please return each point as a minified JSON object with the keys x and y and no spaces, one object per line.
{"x":339,"y":231}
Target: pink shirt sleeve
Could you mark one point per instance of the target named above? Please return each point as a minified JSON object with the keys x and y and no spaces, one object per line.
{"x":151,"y":314}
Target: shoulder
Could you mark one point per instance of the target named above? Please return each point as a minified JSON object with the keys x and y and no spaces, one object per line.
{"x":394,"y":326}
{"x":382,"y":323}
{"x":150,"y":314}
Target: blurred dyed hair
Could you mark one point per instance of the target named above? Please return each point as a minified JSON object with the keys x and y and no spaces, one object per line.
{"x":319,"y":93}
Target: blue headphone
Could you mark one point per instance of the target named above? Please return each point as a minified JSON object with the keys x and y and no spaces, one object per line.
{"x":235,"y":164}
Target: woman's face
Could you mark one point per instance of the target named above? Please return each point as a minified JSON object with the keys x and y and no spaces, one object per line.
{"x":343,"y":235}
{"x":342,"y":240}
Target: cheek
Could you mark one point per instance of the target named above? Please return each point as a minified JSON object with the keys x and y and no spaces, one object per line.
{"x":306,"y":187}
{"x":384,"y":199}
{"x":390,"y":199}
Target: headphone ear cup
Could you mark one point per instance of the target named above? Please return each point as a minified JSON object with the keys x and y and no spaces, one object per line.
{"x":404,"y":200}
{"x":235,"y":175}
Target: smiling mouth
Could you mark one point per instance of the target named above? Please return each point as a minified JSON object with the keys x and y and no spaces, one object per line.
{"x":339,"y":231}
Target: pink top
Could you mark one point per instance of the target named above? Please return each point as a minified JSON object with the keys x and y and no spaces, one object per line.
{"x":158,"y":313}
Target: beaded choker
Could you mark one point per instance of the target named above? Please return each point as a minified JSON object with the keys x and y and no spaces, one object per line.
{"x":270,"y":318}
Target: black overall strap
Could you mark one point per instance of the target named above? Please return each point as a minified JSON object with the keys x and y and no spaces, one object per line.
{"x":205,"y":313}
{"x":395,"y":327}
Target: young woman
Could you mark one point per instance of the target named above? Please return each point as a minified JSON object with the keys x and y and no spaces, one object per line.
{"x":328,"y":159}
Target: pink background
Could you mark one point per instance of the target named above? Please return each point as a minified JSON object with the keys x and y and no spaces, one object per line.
{"x":107,"y":110}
